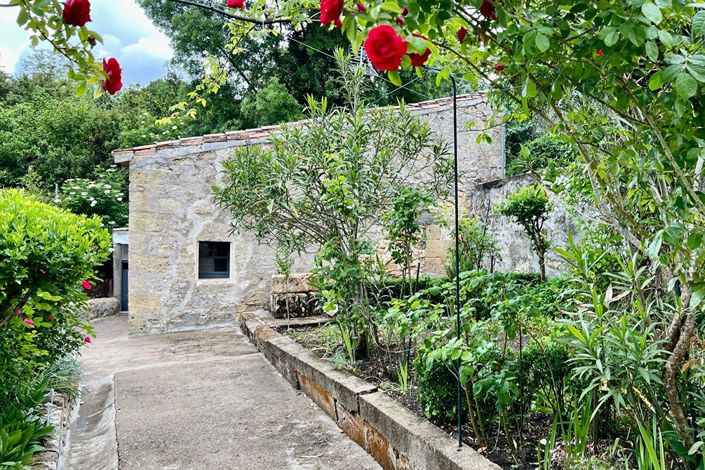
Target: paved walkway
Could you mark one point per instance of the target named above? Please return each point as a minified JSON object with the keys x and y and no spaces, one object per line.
{"x":197,"y":400}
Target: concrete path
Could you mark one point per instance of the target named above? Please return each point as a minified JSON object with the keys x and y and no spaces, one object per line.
{"x":197,"y":400}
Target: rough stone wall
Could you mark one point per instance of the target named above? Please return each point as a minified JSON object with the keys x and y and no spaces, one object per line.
{"x":515,"y":249}
{"x":171,"y":210}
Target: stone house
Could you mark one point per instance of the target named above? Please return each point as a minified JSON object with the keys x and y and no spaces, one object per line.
{"x":187,"y":269}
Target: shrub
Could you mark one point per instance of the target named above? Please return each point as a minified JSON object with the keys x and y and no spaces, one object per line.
{"x":103,"y":196}
{"x":49,"y":255}
{"x":476,"y":246}
{"x":437,"y":390}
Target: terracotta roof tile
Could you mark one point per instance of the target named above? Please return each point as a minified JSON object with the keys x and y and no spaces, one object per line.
{"x":125,"y":155}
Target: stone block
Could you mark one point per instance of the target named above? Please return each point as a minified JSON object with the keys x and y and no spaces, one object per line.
{"x":343,"y":387}
{"x":351,"y":423}
{"x":148,"y":264}
{"x":423,"y":444}
{"x":317,"y":393}
{"x":144,"y":304}
{"x":434,"y":266}
{"x":436,"y":249}
{"x":102,"y":307}
{"x":293,"y":305}
{"x":298,"y":282}
{"x":150,"y":222}
{"x":433,"y":232}
{"x":377,"y":445}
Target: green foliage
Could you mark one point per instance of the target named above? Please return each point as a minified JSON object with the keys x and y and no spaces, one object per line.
{"x":547,"y":154}
{"x":529,"y":207}
{"x":47,"y":252}
{"x":477,"y":247}
{"x":105,"y":197}
{"x":62,"y":376}
{"x":326,"y":183}
{"x":401,"y":224}
{"x":19,"y":440}
{"x":436,"y":389}
{"x":272,"y":104}
{"x":44,"y":23}
{"x":60,"y":137}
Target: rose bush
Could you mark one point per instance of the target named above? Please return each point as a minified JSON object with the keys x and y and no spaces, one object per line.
{"x":46,"y":255}
{"x":62,"y":26}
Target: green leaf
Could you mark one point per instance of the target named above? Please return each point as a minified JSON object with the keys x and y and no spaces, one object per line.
{"x":81,"y":89}
{"x":652,"y":12}
{"x":697,"y":71}
{"x":542,"y":42}
{"x":694,"y":448}
{"x":694,"y":240}
{"x":529,"y":89}
{"x":22,"y":16}
{"x":655,"y":245}
{"x":699,"y":24}
{"x":698,"y":295}
{"x":611,"y":38}
{"x":686,"y":86}
{"x":652,"y":51}
{"x":394,"y":77}
{"x":666,"y":38}
{"x":655,"y":81}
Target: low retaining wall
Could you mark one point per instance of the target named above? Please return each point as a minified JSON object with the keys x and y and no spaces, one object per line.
{"x":59,"y":408}
{"x":393,"y":435}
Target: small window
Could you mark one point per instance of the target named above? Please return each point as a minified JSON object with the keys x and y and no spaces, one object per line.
{"x":213,"y":260}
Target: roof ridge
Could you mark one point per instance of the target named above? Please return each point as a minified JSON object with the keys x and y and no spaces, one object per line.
{"x":258,"y":133}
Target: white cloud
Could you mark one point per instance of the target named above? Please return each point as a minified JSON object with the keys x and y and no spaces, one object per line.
{"x":127,"y":32}
{"x":12,"y":41}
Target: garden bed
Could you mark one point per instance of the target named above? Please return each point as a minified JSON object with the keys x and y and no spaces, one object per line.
{"x":318,"y":340}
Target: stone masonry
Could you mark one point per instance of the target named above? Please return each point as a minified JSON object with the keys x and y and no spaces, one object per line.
{"x":171,"y":210}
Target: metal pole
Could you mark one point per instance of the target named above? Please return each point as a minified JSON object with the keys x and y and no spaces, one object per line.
{"x":457,"y":252}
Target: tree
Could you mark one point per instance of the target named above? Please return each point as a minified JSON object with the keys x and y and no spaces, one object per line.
{"x":529,"y":207}
{"x":272,"y":104}
{"x":327,"y":183}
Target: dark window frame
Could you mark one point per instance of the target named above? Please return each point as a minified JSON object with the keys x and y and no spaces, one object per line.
{"x":213,"y":257}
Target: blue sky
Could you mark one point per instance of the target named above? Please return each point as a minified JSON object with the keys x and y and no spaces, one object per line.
{"x":127,"y":32}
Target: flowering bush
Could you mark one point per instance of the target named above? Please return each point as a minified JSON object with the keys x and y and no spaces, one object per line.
{"x":104,"y":197}
{"x":47,"y":253}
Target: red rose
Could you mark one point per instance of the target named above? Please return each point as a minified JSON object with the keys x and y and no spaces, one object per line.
{"x":235,"y":4}
{"x":487,"y":9}
{"x":499,"y":67}
{"x":399,"y":20}
{"x":404,"y":11}
{"x":87,"y":340}
{"x":417,"y":60}
{"x":461,"y":34}
{"x":331,"y":11}
{"x":385,"y":47}
{"x":361,"y":7}
{"x":113,"y":83}
{"x":600,"y":53}
{"x":77,"y":12}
